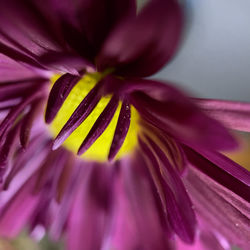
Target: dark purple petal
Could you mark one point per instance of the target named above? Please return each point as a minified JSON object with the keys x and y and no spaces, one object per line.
{"x":65,"y":62}
{"x":171,"y":111}
{"x":178,"y":205}
{"x":37,"y":35}
{"x":18,"y":56}
{"x":219,"y":175}
{"x":14,"y":89}
{"x":170,"y":146}
{"x":79,"y":115}
{"x":98,"y":17}
{"x":221,"y":211}
{"x":6,"y":148}
{"x":227,"y":165}
{"x":58,"y":94}
{"x":121,"y":130}
{"x":15,"y":111}
{"x":235,"y":115}
{"x":28,"y":121}
{"x":155,"y":36}
{"x":49,"y":169}
{"x":100,"y":125}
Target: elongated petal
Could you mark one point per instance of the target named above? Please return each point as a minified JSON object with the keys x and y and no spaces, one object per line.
{"x":219,"y":175}
{"x":179,"y":207}
{"x":9,"y":104}
{"x":29,"y":119}
{"x":87,"y":220}
{"x":19,"y":56}
{"x":6,"y":148}
{"x":227,"y":165}
{"x":64,"y":62}
{"x":37,"y":150}
{"x":11,"y":70}
{"x":220,"y":209}
{"x":174,"y":113}
{"x":206,"y":240}
{"x":155,"y":33}
{"x":235,"y":115}
{"x":15,"y":111}
{"x":121,"y":130}
{"x":58,"y":94}
{"x":137,"y":222}
{"x":79,"y":115}
{"x":17,"y":213}
{"x":100,"y":125}
{"x":37,"y":35}
{"x":10,"y":90}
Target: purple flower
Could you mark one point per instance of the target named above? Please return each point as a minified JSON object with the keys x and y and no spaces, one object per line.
{"x":150,"y":175}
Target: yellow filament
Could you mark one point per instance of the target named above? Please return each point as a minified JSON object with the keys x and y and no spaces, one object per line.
{"x":100,"y":148}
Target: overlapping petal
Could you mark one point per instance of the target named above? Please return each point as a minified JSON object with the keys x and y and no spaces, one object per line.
{"x":141,"y":46}
{"x":225,"y":178}
{"x":88,"y":217}
{"x":235,"y":115}
{"x":170,"y":110}
{"x":220,"y":209}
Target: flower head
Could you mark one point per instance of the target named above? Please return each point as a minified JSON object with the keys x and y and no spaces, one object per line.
{"x":145,"y":146}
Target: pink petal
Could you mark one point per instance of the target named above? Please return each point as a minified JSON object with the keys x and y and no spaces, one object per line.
{"x":221,"y":211}
{"x":234,"y":115}
{"x":17,"y":213}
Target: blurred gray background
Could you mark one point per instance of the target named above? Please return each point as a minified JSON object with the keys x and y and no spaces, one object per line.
{"x":214,"y":58}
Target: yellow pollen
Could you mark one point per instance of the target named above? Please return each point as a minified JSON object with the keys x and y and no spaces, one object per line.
{"x":100,"y":148}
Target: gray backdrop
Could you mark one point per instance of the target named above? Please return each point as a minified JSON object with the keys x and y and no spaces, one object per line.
{"x":214,"y":59}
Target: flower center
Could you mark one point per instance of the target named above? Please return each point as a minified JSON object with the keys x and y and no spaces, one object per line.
{"x":99,"y":150}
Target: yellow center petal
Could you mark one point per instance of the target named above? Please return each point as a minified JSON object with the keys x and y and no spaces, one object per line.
{"x":100,"y":149}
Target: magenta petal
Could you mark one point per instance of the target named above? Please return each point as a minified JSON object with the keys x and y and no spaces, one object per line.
{"x":137,"y":222}
{"x":6,"y":148}
{"x":79,"y":115}
{"x":18,"y":211}
{"x":58,"y":94}
{"x":221,"y":211}
{"x":178,"y":204}
{"x":100,"y":125}
{"x":18,"y":56}
{"x":174,"y":113}
{"x":218,"y":174}
{"x":15,"y":111}
{"x":5,"y":105}
{"x":36,"y":151}
{"x":235,"y":115}
{"x":227,"y":165}
{"x":11,"y":70}
{"x":27,"y":124}
{"x":19,"y":88}
{"x":121,"y":130}
{"x":155,"y":33}
{"x":87,"y":219}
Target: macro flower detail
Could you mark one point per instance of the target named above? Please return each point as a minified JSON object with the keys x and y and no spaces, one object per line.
{"x":97,"y":155}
